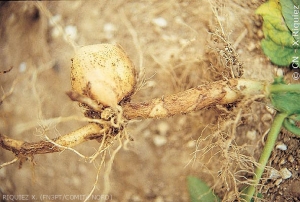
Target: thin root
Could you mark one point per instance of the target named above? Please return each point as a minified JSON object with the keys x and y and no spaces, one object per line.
{"x":10,"y":162}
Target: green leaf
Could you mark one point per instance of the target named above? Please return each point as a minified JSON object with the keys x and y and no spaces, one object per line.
{"x":279,"y":44}
{"x":285,"y":98}
{"x":280,"y":55}
{"x":279,"y":37}
{"x":296,"y":2}
{"x":271,"y":12}
{"x":290,"y":12}
{"x":199,"y":191}
{"x":286,"y":102}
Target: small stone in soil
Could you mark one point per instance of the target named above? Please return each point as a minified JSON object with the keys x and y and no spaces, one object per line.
{"x":285,"y":173}
{"x":159,"y":140}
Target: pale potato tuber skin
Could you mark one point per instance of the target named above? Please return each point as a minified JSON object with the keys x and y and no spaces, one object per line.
{"x":104,"y":73}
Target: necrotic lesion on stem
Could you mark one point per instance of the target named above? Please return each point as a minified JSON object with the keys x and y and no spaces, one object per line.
{"x":220,"y":92}
{"x":23,"y":149}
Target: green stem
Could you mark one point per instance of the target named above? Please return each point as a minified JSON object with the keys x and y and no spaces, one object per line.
{"x":290,"y":126}
{"x":295,"y":117}
{"x":284,"y":88}
{"x":266,"y":153}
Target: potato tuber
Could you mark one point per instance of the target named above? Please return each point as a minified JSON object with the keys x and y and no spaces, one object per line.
{"x":104,"y":73}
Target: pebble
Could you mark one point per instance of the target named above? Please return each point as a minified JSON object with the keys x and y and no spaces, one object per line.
{"x":109,"y":29}
{"x":285,"y":173}
{"x":277,"y":182}
{"x":163,"y":128}
{"x":150,"y":84}
{"x":22,"y":67}
{"x":160,"y":22}
{"x":291,"y":159}
{"x":55,"y":32}
{"x":260,"y":34}
{"x":71,"y":31}
{"x":251,"y":46}
{"x":191,"y":144}
{"x":281,"y":146}
{"x":251,"y":135}
{"x":279,"y":72}
{"x":54,"y":20}
{"x":76,"y":181}
{"x":181,"y":121}
{"x":159,"y":140}
{"x":146,"y":133}
{"x":274,"y":174}
{"x":282,"y":161}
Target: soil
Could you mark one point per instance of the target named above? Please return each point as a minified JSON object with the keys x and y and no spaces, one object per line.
{"x":173,"y":48}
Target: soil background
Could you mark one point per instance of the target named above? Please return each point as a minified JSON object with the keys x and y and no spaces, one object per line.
{"x":171,"y":45}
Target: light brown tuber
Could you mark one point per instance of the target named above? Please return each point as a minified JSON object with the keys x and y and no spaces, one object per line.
{"x":104,"y":73}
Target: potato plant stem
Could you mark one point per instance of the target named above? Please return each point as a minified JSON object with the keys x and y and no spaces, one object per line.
{"x":266,"y":153}
{"x":23,"y":149}
{"x":285,"y":88}
{"x":216,"y":93}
